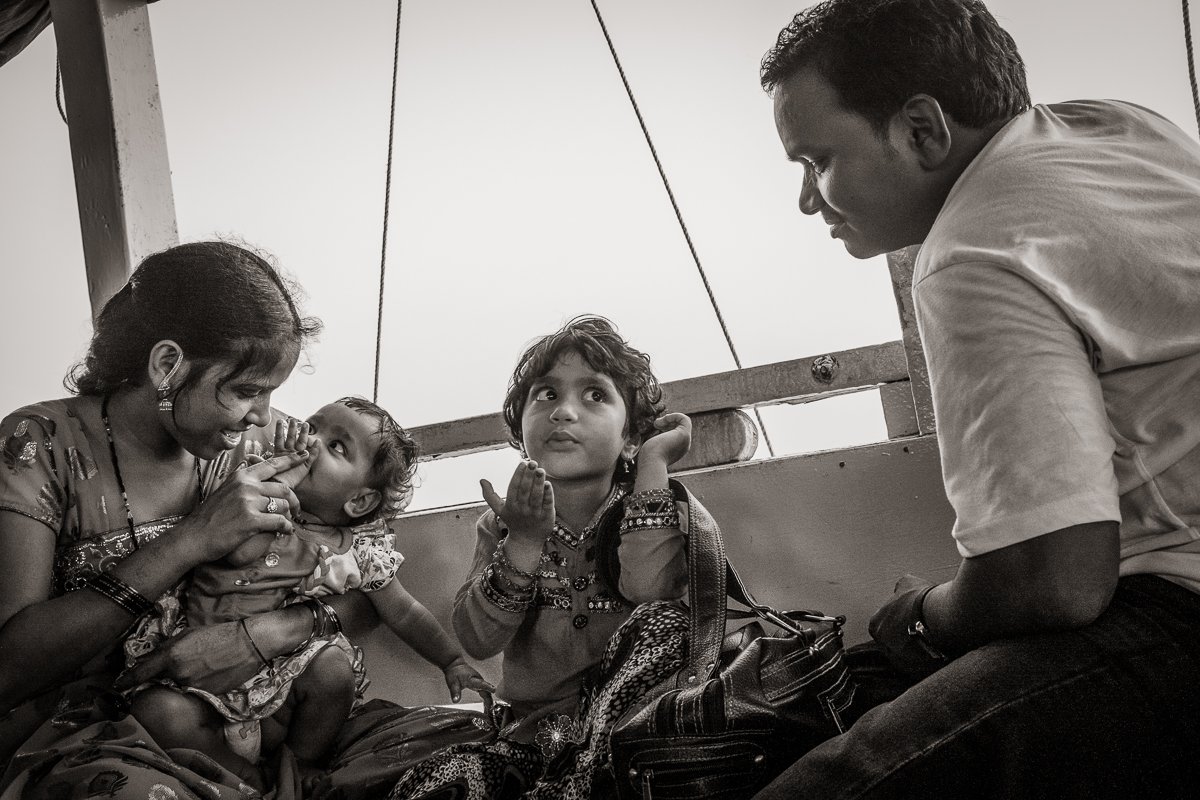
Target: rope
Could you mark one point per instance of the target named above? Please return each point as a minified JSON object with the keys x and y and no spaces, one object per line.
{"x":1187,"y":39}
{"x":387,"y":200}
{"x":58,"y":98}
{"x":712,"y":299}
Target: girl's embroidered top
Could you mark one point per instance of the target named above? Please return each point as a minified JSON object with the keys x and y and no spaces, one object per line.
{"x":552,"y":632}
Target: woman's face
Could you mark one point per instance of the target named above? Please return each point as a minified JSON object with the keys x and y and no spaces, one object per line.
{"x":211,"y":416}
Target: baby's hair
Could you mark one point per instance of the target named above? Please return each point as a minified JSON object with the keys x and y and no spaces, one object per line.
{"x":596,"y":340}
{"x":395,"y":461}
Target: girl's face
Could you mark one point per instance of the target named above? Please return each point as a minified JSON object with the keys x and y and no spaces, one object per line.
{"x":574,"y":422}
{"x":210,"y":418}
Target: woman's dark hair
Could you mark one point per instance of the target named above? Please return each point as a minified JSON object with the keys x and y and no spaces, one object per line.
{"x":221,"y":303}
{"x":596,"y":340}
{"x":879,"y":53}
{"x":395,"y":461}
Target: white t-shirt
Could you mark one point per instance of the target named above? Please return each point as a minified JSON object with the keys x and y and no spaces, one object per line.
{"x":1058,"y":296}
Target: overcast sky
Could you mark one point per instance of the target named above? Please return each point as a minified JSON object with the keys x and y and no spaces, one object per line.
{"x":522,"y":190}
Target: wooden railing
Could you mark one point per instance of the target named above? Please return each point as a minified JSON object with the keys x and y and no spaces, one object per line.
{"x":896,"y":369}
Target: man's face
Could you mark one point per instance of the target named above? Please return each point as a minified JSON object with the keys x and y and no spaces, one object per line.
{"x":868,"y":189}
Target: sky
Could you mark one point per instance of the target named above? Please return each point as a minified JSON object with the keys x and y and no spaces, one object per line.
{"x":522,"y":190}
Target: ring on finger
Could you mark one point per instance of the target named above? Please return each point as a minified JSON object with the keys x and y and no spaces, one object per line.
{"x":272,"y":505}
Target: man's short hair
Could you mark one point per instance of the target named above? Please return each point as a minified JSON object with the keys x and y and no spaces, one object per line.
{"x":879,"y":53}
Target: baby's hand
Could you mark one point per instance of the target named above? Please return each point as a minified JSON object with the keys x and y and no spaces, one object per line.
{"x":292,"y":436}
{"x":528,"y":509}
{"x":671,"y":443}
{"x":461,"y":675}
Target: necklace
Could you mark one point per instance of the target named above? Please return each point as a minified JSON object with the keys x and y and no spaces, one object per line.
{"x":112,"y":451}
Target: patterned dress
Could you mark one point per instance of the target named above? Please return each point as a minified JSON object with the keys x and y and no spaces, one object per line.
{"x":290,"y":566}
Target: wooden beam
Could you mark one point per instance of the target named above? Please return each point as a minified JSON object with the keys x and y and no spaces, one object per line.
{"x":719,"y":437}
{"x":899,"y":415}
{"x":900,"y":264}
{"x":118,"y":144}
{"x":800,"y":380}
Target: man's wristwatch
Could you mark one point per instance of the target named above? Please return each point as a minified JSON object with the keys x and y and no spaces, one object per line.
{"x":920,"y":632}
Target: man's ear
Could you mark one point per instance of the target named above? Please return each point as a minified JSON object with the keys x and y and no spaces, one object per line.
{"x":921,"y":128}
{"x":165,"y":364}
{"x":363,"y":503}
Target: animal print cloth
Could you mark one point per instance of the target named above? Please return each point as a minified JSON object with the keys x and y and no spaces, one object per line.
{"x":647,"y":649}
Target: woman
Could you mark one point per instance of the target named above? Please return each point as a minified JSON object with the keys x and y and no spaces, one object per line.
{"x":110,"y":497}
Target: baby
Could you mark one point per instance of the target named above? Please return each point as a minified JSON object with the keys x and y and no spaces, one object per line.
{"x":357,"y":476}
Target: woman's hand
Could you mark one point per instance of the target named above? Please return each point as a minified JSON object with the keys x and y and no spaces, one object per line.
{"x":528,"y":508}
{"x":215,"y":658}
{"x":249,"y":502}
{"x":671,"y":443}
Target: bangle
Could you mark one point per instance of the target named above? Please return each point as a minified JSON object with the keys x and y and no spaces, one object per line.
{"x":649,"y":509}
{"x":501,"y":559}
{"x":325,"y":619}
{"x":650,"y":501}
{"x":249,"y":638}
{"x":516,"y":603}
{"x":119,"y":592}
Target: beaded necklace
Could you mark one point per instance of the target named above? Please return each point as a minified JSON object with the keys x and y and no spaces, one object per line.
{"x":112,"y":451}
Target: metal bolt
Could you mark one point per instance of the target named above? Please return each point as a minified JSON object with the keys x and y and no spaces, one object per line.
{"x":824,"y":368}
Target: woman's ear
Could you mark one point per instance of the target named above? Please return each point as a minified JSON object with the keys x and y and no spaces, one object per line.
{"x":630,"y":450}
{"x":363,"y":503}
{"x":165,"y":366}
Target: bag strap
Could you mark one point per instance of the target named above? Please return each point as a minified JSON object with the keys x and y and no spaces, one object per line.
{"x":711,"y":581}
{"x":706,"y":588}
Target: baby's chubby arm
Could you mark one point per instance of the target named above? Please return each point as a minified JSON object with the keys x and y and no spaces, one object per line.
{"x":416,"y":626}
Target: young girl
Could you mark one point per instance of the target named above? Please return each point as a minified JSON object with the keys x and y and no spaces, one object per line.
{"x":588,"y":529}
{"x":358,"y":472}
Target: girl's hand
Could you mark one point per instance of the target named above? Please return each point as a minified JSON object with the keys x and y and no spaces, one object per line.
{"x":671,"y":443}
{"x":249,"y":502}
{"x":528,"y":509}
{"x":461,"y":675}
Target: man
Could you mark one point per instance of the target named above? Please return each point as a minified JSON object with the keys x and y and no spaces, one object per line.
{"x":1057,"y":291}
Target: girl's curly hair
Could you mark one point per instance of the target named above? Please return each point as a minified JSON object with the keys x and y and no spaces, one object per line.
{"x":395,"y":461}
{"x":596,"y":340}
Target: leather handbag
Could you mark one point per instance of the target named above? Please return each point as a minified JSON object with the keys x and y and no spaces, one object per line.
{"x":744,"y":705}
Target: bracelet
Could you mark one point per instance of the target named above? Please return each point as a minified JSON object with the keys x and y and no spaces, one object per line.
{"x":325,"y":619}
{"x":325,"y":622}
{"x":500,"y":558}
{"x":650,"y":501}
{"x":514,"y":603}
{"x":119,"y":592}
{"x":249,"y":638}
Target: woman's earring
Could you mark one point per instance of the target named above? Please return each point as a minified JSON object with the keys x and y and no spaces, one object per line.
{"x":164,"y":388}
{"x":626,"y":467}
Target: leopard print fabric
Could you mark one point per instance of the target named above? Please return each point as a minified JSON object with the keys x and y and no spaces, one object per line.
{"x":647,"y":649}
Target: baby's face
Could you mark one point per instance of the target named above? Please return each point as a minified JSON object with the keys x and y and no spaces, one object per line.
{"x":343,"y":444}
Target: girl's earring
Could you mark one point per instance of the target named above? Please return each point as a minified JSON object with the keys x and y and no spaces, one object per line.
{"x":626,"y":467}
